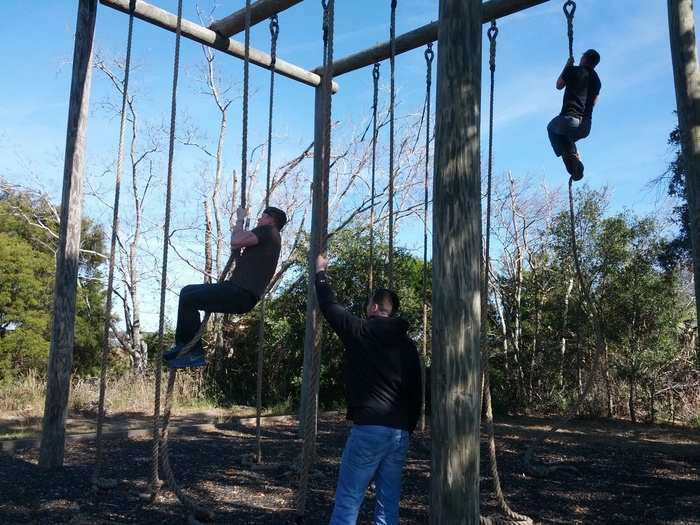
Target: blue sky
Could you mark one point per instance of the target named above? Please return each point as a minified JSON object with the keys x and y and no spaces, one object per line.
{"x":626,"y":150}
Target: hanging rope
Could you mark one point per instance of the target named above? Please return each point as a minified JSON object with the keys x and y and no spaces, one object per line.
{"x":511,"y":516}
{"x":246,"y":79}
{"x":97,"y":482}
{"x":429,"y":56}
{"x":569,"y":12}
{"x":155,"y":481}
{"x":588,"y":305}
{"x":392,"y":100}
{"x":309,"y":415}
{"x":274,"y":33}
{"x":375,"y":99}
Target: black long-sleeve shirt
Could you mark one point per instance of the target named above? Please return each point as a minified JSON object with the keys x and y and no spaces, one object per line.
{"x":382,"y":368}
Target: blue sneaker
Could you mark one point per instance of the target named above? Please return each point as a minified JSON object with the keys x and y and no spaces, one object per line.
{"x":193,"y":359}
{"x":172,"y":353}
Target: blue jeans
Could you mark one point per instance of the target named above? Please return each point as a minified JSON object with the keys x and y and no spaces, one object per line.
{"x":377,"y":452}
{"x":564,"y":131}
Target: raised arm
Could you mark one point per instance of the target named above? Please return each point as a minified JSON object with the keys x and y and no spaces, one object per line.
{"x":561,"y":81}
{"x":240,"y":237}
{"x":343,"y":322}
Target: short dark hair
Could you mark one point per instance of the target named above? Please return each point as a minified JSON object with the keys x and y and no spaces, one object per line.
{"x":387,"y":300}
{"x":277,"y":215}
{"x":593,"y":57}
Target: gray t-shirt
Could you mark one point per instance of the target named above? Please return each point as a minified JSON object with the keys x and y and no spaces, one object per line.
{"x":257,"y":264}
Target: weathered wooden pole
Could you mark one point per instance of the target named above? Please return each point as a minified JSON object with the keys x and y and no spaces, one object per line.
{"x":681,"y":26}
{"x":67,"y":255}
{"x":456,"y":371}
{"x":313,"y":329}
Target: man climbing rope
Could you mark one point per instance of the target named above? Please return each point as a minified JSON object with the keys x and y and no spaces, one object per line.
{"x":574,"y":122}
{"x":254,"y":269}
{"x":383,"y":391}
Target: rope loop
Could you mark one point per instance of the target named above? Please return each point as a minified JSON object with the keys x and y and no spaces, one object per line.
{"x":569,"y":9}
{"x":375,"y":71}
{"x":429,"y":54}
{"x":274,"y":27}
{"x":492,"y":34}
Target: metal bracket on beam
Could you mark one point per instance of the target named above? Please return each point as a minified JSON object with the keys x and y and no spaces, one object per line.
{"x":166,"y":20}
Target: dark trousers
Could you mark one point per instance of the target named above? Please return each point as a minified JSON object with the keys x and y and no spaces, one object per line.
{"x":564,"y":131}
{"x":226,"y":298}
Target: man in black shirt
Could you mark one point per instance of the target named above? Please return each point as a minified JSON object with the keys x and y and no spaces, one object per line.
{"x":251,"y":275}
{"x":574,"y":122}
{"x":383,"y":391}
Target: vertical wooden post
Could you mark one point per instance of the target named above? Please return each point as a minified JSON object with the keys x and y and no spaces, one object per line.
{"x":62,"y":338}
{"x":455,"y":372}
{"x":313,"y":330}
{"x":681,"y":25}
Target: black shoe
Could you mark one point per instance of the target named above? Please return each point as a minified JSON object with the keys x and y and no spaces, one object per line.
{"x":574,"y":166}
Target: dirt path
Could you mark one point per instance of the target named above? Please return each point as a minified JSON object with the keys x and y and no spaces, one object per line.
{"x":628,"y":474}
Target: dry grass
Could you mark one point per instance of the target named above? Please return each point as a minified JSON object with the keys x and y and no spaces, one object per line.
{"x":126,"y":393}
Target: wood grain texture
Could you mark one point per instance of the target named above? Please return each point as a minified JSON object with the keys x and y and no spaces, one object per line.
{"x":67,"y":256}
{"x":455,"y":373}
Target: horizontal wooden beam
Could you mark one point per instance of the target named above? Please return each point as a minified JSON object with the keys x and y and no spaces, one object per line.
{"x":422,"y":36}
{"x":166,"y":20}
{"x":259,"y":11}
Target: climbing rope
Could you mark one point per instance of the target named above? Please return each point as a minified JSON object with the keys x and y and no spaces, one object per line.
{"x":587,"y":303}
{"x":511,"y":516}
{"x":97,"y":482}
{"x":244,"y":173}
{"x":198,"y":512}
{"x":274,"y":33}
{"x":392,"y":100}
{"x":246,"y":88}
{"x":155,"y":481}
{"x":429,"y":56}
{"x":309,"y":414}
{"x":375,"y":98}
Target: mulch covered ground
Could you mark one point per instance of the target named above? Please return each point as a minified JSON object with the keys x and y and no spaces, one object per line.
{"x":626,"y":474}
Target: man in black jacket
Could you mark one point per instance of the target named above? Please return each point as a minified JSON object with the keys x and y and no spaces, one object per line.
{"x":383,"y":391}
{"x":574,"y":121}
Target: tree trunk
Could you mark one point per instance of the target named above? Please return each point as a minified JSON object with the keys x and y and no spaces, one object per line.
{"x":608,"y":383}
{"x":652,"y":404}
{"x":208,"y":261}
{"x":67,"y":256}
{"x":139,"y":351}
{"x":455,"y":371}
{"x":565,"y":324}
{"x":681,"y":22}
{"x":633,"y":401}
